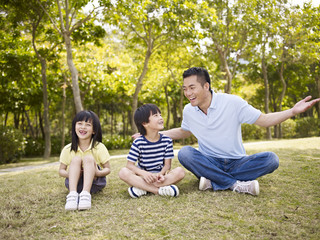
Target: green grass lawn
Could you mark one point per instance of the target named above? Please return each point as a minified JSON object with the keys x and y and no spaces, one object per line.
{"x":288,"y":207}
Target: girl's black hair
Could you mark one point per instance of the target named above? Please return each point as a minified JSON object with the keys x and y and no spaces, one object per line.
{"x":142,"y":115}
{"x":87,"y":116}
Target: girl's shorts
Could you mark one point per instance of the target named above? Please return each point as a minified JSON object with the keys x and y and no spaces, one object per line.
{"x":97,"y":185}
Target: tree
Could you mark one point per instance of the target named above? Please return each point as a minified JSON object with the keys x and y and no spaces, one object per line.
{"x":146,"y":26}
{"x":66,"y":14}
{"x":225,"y":32}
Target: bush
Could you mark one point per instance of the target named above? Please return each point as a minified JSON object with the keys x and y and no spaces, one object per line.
{"x":288,"y":128}
{"x":34,"y":147}
{"x":11,"y":144}
{"x":251,"y":131}
{"x":117,"y":142}
{"x":307,"y":127}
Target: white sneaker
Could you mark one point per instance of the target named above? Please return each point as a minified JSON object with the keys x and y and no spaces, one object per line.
{"x":72,"y":201}
{"x":84,"y":200}
{"x":136,"y":192}
{"x":251,"y":187}
{"x":171,"y":190}
{"x":204,"y":184}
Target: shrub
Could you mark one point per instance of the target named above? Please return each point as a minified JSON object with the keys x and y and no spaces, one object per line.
{"x":288,"y":128}
{"x":34,"y":147}
{"x":307,"y":127}
{"x":11,"y":144}
{"x":117,"y":142}
{"x":251,"y":131}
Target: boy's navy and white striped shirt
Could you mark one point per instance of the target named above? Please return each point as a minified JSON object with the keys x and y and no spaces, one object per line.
{"x":151,"y":155}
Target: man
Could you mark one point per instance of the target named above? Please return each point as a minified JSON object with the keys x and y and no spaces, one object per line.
{"x":215,"y":120}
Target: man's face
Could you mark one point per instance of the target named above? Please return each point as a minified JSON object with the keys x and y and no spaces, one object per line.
{"x":194,"y":91}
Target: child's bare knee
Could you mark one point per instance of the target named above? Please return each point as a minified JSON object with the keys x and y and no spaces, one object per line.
{"x":88,"y":159}
{"x":76,"y":160}
{"x":123,"y":173}
{"x":180,"y":172}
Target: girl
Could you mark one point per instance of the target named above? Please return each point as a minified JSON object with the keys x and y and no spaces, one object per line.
{"x":83,"y":157}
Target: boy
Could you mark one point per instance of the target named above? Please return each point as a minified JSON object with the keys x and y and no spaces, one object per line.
{"x":153,"y":153}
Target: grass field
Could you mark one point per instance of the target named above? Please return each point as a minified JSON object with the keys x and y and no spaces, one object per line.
{"x":288,"y":207}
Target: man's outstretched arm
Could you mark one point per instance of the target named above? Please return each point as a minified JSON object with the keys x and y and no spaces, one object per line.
{"x":271,"y":119}
{"x":176,"y":133}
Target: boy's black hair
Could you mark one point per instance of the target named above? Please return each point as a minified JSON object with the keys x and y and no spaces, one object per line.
{"x":87,"y":116}
{"x":201,"y":73}
{"x":142,"y":115}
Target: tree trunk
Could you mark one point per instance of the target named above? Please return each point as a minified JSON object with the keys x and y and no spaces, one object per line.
{"x":283,"y":92}
{"x":223,"y":59}
{"x":168,"y":105}
{"x":318,"y":87}
{"x":174,"y":111}
{"x":181,"y":103}
{"x":16,"y":119}
{"x":138,"y":88}
{"x":74,"y":73}
{"x":46,"y":131}
{"x":6,"y":119}
{"x":111,"y":124}
{"x":29,"y":124}
{"x":63,"y":121}
{"x":47,"y":150}
{"x":41,"y":124}
{"x":266,"y":90}
{"x":124,"y":132}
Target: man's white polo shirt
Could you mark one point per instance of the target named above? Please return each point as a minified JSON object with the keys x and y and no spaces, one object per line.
{"x":219,"y":132}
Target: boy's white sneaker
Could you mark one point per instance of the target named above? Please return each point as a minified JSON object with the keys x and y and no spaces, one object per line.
{"x":72,"y":201}
{"x":84,"y":200}
{"x":251,"y":187}
{"x":136,"y":192}
{"x":171,"y":190}
{"x":204,"y":184}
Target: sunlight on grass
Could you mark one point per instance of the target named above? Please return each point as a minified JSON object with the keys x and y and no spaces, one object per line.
{"x":32,"y":205}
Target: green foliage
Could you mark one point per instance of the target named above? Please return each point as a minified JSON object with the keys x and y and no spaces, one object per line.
{"x":288,"y":128}
{"x":117,"y":142}
{"x":11,"y":144}
{"x":307,"y":127}
{"x":35,"y":147}
{"x":251,"y":131}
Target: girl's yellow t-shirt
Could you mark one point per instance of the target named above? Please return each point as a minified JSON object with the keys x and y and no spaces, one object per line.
{"x":99,"y":152}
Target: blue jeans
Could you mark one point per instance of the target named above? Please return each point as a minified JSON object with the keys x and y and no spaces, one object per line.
{"x":222,"y":172}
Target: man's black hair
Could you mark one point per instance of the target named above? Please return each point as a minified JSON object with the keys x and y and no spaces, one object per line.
{"x":201,"y":73}
{"x":142,"y":115}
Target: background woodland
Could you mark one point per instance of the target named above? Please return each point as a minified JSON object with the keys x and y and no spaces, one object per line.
{"x":59,"y":57}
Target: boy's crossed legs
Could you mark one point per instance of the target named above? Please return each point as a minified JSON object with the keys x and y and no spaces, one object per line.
{"x":141,"y":187}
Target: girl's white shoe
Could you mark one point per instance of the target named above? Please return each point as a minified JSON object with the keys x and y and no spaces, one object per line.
{"x":84,"y":200}
{"x":72,"y":201}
